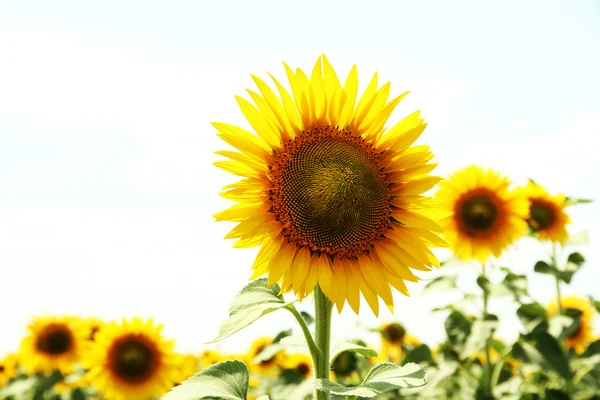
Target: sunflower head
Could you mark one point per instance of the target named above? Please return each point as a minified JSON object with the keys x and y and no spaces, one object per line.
{"x":8,"y":368}
{"x":330,"y":195}
{"x":486,"y":216}
{"x":301,"y":364}
{"x":53,"y":343}
{"x":547,"y":218}
{"x":393,"y":333}
{"x":584,"y":335}
{"x":132,"y":361}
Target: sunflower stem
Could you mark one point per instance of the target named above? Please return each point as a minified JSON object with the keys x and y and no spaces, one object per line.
{"x":322,"y":336}
{"x":557,"y":280}
{"x":312,"y":346}
{"x":488,"y":372}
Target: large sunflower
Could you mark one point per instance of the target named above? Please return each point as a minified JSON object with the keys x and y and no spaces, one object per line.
{"x":329,"y":194}
{"x":487,"y":216}
{"x":132,"y":361}
{"x":8,"y":369}
{"x":53,"y":343}
{"x":547,"y":218}
{"x":584,"y":335}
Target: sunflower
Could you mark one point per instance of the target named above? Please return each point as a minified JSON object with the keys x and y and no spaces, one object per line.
{"x":210,"y":357}
{"x":547,"y":218}
{"x":268,"y":367}
{"x":583,"y":336}
{"x":300,"y":363}
{"x":188,"y":366}
{"x":393,"y":338}
{"x":8,"y":369}
{"x":53,"y":343}
{"x":132,"y":361}
{"x":487,"y":217}
{"x":331,"y":196}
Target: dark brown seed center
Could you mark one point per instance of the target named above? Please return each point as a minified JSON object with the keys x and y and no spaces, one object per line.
{"x":134,"y":360}
{"x":478,"y":214}
{"x":55,"y":340}
{"x":541,"y":216}
{"x":330,"y":192}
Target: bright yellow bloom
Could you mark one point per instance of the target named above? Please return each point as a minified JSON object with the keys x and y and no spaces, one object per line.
{"x":93,"y":325}
{"x":8,"y":369}
{"x":547,"y":217}
{"x":584,"y":335}
{"x":301,"y":363}
{"x":331,"y":195}
{"x":53,"y":343}
{"x":188,"y":366}
{"x":132,"y":361}
{"x":487,"y":216}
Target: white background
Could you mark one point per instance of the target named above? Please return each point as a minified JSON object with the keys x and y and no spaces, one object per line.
{"x":106,"y":182}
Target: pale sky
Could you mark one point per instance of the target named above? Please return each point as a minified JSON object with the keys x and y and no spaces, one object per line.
{"x":106,"y":180}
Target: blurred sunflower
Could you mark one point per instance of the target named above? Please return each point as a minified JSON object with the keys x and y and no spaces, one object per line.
{"x":210,"y":357}
{"x":8,"y":369}
{"x":547,"y":218}
{"x":584,"y":335}
{"x":188,"y":366}
{"x":329,"y":194}
{"x":265,"y":367}
{"x":132,"y":361}
{"x":487,"y":216}
{"x":393,"y":341}
{"x":53,"y":343}
{"x":301,"y":363}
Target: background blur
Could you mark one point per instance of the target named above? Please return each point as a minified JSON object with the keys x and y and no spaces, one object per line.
{"x":106,"y":182}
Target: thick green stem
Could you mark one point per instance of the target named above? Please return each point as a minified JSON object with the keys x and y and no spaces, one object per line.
{"x":568,"y":381}
{"x":322,"y":338}
{"x":488,"y":372}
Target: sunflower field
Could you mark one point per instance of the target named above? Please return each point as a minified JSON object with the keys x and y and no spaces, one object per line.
{"x":344,"y":208}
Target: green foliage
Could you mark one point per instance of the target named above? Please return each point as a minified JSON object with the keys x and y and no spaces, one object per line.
{"x":382,"y":378}
{"x":419,"y":355}
{"x":440,"y":284}
{"x":254,"y":301}
{"x":224,"y":381}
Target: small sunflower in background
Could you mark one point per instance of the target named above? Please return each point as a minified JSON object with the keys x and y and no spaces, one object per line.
{"x":329,"y":193}
{"x":132,"y":361}
{"x":53,"y":344}
{"x":265,"y":367}
{"x":486,"y":215}
{"x":188,"y":366}
{"x":393,"y":340}
{"x":300,"y":363}
{"x":8,"y":368}
{"x":546,"y":218}
{"x":584,"y":335}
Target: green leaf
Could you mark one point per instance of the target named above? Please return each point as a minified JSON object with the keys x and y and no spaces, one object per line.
{"x":543,"y":267}
{"x":335,"y":349}
{"x":570,"y":201}
{"x":17,"y":389}
{"x":440,"y":284}
{"x":269,"y":352}
{"x":418,"y":355}
{"x":382,"y":378}
{"x":553,"y":353}
{"x":224,"y":381}
{"x":481,"y":331}
{"x":254,"y":301}
{"x":592,"y":350}
{"x":552,"y":394}
{"x":595,"y":303}
{"x":308,"y":319}
{"x":576,"y":258}
{"x":517,"y":284}
{"x":533,"y":316}
{"x":458,"y":329}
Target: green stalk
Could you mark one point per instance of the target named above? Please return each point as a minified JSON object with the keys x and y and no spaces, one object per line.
{"x":322,"y":338}
{"x":312,"y":346}
{"x":568,"y":381}
{"x":488,"y":372}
